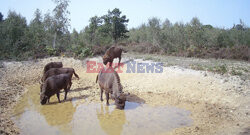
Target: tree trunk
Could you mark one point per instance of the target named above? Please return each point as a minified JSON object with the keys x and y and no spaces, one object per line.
{"x":54,"y":41}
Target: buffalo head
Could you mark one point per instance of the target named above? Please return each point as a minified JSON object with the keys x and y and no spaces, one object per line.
{"x":43,"y":98}
{"x":105,"y":59}
{"x":120,"y":101}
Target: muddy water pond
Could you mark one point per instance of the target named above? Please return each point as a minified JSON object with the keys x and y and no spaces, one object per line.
{"x":72,"y":117}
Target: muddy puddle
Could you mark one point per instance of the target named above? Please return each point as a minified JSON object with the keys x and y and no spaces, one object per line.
{"x":74,"y":117}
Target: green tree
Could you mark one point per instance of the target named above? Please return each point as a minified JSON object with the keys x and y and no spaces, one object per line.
{"x":166,"y":36}
{"x":116,"y":23}
{"x":196,"y":33}
{"x":223,"y":39}
{"x":14,"y":27}
{"x":92,"y":29}
{"x":36,"y":33}
{"x":179,"y":37}
{"x":61,"y":23}
{"x":104,"y":29}
{"x":1,"y":35}
{"x":49,"y":29}
{"x":75,"y":45}
{"x":1,"y":17}
{"x":74,"y":37}
{"x":154,"y":30}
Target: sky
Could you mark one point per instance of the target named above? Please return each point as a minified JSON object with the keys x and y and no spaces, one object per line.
{"x":218,"y":13}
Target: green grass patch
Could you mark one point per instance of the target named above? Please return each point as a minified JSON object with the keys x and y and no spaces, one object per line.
{"x":221,"y":69}
{"x":197,"y":67}
{"x":235,"y":72}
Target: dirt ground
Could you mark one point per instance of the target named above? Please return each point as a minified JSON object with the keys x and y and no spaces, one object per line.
{"x":219,"y":104}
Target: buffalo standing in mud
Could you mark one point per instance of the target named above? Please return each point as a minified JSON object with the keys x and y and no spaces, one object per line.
{"x":112,"y":53}
{"x":57,"y":71}
{"x":53,"y":85}
{"x":52,"y":65}
{"x":109,"y":81}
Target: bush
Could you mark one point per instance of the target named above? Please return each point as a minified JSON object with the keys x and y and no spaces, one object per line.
{"x":50,"y":50}
{"x":99,"y":50}
{"x":85,"y":52}
{"x":219,"y":69}
{"x":235,"y":72}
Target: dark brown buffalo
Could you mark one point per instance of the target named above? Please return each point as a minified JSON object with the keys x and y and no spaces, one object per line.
{"x":53,"y":85}
{"x":110,"y":83}
{"x":52,"y":65}
{"x":112,"y":53}
{"x":57,"y":71}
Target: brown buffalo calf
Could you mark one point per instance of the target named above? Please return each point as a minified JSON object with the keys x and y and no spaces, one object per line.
{"x":112,"y":53}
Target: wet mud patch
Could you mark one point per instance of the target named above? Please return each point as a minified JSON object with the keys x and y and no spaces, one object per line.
{"x":76,"y":117}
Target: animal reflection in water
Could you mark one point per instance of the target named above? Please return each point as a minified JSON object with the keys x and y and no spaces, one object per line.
{"x":58,"y":114}
{"x":111,"y":122}
{"x":53,"y":117}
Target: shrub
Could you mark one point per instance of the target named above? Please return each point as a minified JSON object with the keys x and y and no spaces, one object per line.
{"x":219,"y":69}
{"x":85,"y":52}
{"x":235,"y":72}
{"x":50,"y":50}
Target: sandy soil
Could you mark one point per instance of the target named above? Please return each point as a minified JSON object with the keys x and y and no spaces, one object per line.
{"x":218,"y":104}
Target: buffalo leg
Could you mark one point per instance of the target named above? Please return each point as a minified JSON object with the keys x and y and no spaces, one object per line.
{"x":58,"y":96}
{"x":101,"y":95}
{"x":66,"y":91}
{"x":110,"y":63}
{"x":119,"y":61}
{"x":107,"y":98}
{"x":69,"y":86}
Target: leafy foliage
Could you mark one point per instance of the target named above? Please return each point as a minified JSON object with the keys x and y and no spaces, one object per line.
{"x":1,"y":17}
{"x":13,"y":31}
{"x":193,"y":39}
{"x":107,"y":28}
{"x":48,"y":34}
{"x":60,"y":23}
